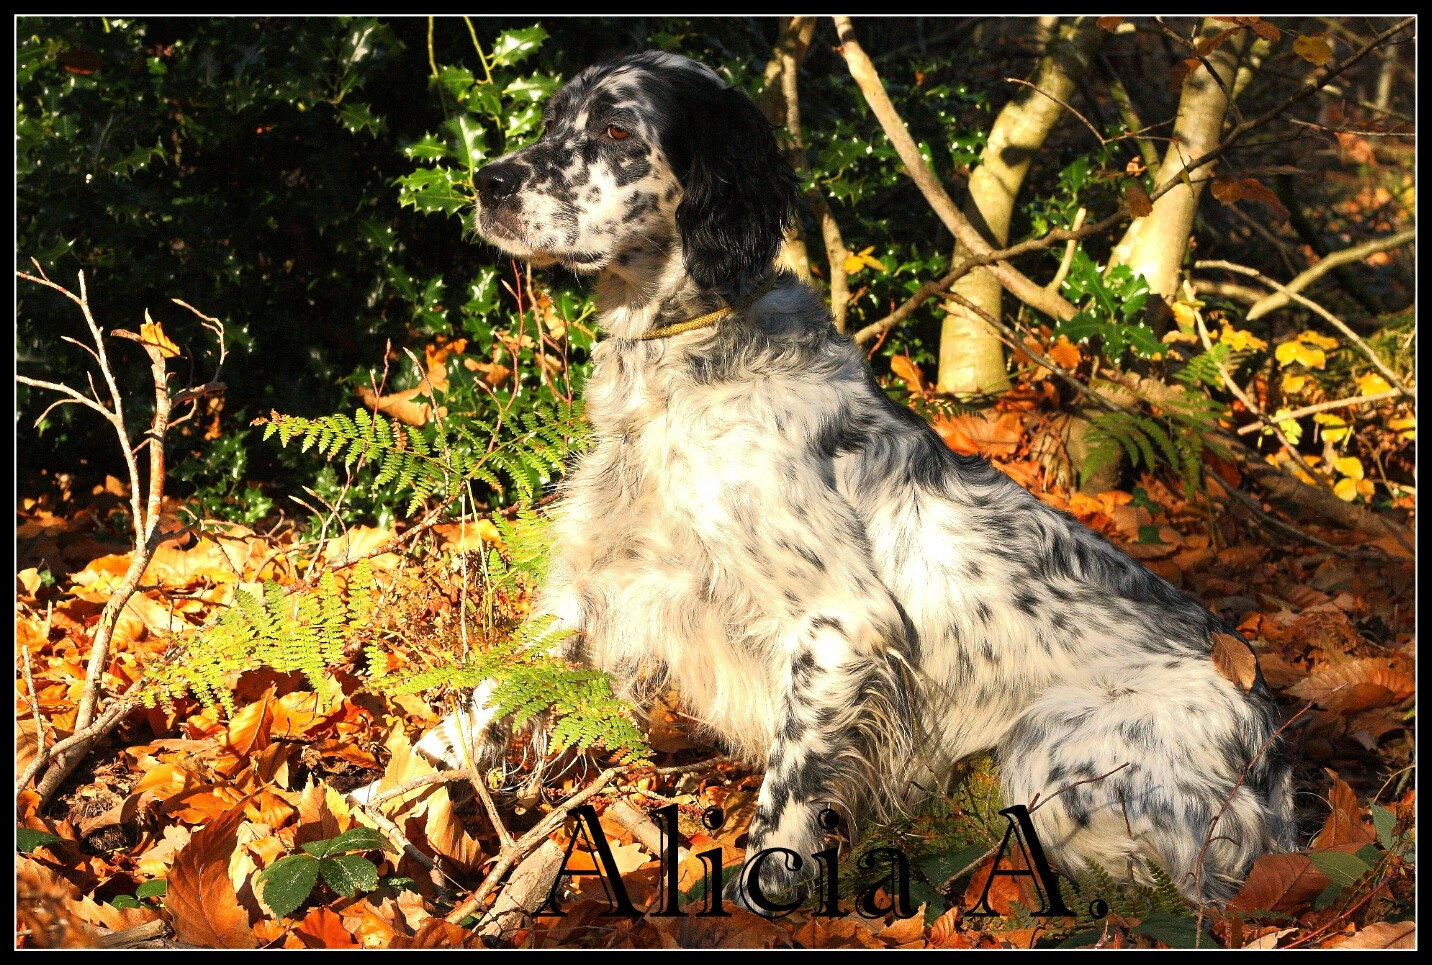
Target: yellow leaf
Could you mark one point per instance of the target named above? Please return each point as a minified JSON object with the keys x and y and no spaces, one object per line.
{"x":1293,"y":384}
{"x":1297,"y":350}
{"x":1335,"y":429}
{"x":1372,"y":384}
{"x":1321,"y":341}
{"x":856,"y":260}
{"x":152,"y":333}
{"x":1405,"y":427}
{"x":1349,"y":466}
{"x":1184,"y":314}
{"x":1240,"y":341}
{"x":1313,"y":48}
{"x":1346,"y":490}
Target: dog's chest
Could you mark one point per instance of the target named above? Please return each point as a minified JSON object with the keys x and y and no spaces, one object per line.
{"x":673,"y":452}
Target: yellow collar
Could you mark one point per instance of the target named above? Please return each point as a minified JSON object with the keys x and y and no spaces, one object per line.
{"x":668,"y":330}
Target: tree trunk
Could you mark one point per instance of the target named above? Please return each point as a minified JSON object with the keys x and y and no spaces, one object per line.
{"x":1154,"y":245}
{"x":971,"y":354}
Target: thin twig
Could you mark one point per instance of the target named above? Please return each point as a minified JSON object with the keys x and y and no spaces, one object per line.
{"x":1325,"y":406}
{"x":863,"y":71}
{"x":1242,"y":778}
{"x":511,"y":855}
{"x":1326,"y":315}
{"x":34,"y":702}
{"x":1088,"y":780}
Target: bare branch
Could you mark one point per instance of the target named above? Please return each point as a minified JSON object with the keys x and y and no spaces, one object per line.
{"x":1324,"y":407}
{"x":1324,"y":265}
{"x":862,"y":70}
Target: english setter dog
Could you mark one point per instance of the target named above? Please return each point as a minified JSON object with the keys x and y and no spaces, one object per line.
{"x":833,"y":592}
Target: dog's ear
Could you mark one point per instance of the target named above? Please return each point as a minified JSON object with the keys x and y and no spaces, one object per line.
{"x":739,"y":194}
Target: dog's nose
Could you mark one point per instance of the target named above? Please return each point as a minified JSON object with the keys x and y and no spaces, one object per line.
{"x":497,"y":182}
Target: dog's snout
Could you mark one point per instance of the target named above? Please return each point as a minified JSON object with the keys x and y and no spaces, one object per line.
{"x":498,"y":182}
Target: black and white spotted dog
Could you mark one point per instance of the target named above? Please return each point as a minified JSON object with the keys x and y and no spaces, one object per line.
{"x":835,"y":593}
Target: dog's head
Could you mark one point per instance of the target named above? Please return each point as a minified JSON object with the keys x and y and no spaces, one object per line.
{"x":638,"y":155}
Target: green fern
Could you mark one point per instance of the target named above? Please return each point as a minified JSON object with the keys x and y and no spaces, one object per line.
{"x":517,"y":459}
{"x":1177,"y":436}
{"x":305,"y":632}
{"x":528,"y":682}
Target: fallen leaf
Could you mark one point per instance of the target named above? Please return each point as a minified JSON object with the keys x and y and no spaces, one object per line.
{"x":321,"y":928}
{"x":1235,"y":660}
{"x":1383,"y":934}
{"x":1279,"y":882}
{"x":908,"y":371}
{"x":1356,"y":686}
{"x":1344,"y":824}
{"x":201,"y":900}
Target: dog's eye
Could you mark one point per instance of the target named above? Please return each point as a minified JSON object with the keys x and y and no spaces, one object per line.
{"x":617,"y":133}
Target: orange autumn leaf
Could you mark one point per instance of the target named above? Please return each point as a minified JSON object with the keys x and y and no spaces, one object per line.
{"x":1344,"y":824}
{"x":1065,"y":353}
{"x":1235,"y":660}
{"x":908,"y":371}
{"x":201,"y":901}
{"x":321,"y":928}
{"x":152,"y":333}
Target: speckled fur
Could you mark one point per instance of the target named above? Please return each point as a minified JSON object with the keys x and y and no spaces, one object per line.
{"x":836,"y":594}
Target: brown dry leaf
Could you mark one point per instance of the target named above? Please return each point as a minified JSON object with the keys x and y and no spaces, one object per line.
{"x":945,"y":932}
{"x":201,"y":900}
{"x":1235,"y":660}
{"x":437,"y":933}
{"x":358,"y":541}
{"x":317,"y":819}
{"x":446,"y":835}
{"x":110,"y":917}
{"x":1279,"y":882}
{"x":467,"y":535}
{"x":1268,"y":938}
{"x":321,"y":928}
{"x":157,"y":859}
{"x":905,"y":932}
{"x":248,"y":732}
{"x":41,"y":908}
{"x":373,"y":923}
{"x":1383,"y":934}
{"x":1355,"y":686}
{"x":1138,"y":199}
{"x":1344,"y":825}
{"x":1109,"y":23}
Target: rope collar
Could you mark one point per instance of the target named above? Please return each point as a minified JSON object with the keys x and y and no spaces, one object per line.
{"x":666,"y":331}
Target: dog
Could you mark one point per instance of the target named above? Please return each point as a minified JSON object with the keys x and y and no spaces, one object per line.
{"x":835,"y":594}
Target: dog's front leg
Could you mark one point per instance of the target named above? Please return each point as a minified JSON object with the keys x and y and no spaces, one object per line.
{"x":844,"y":727}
